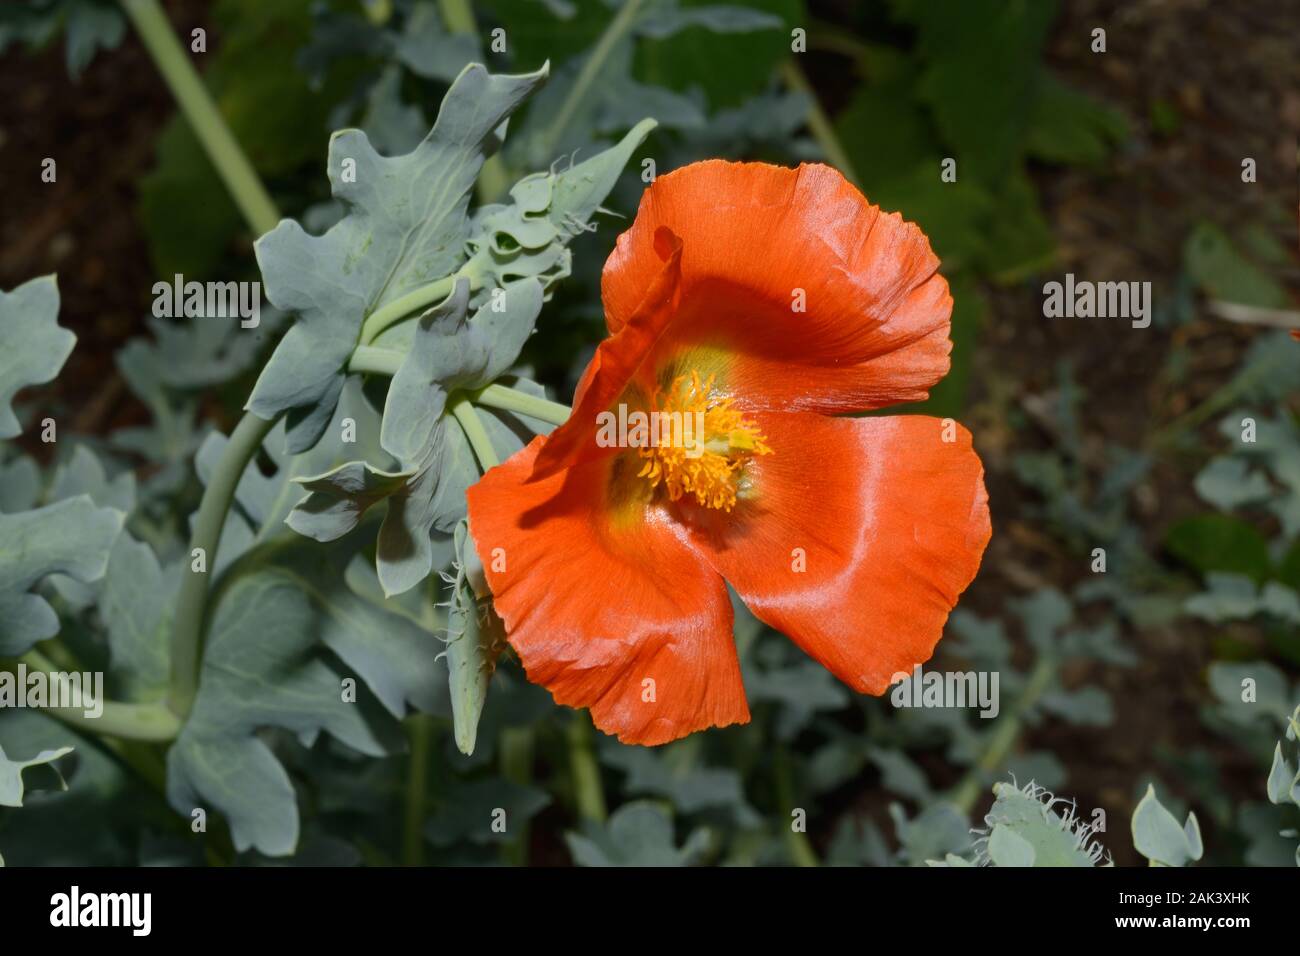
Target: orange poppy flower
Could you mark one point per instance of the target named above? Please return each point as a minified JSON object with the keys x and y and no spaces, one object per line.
{"x":759,"y":302}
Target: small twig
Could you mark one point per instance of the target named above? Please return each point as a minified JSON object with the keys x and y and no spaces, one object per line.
{"x":1254,"y":315}
{"x":196,"y":103}
{"x":819,"y":124}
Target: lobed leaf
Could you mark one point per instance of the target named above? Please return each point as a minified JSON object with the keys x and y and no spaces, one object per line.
{"x":283,"y":639}
{"x":70,"y":537}
{"x":36,"y":346}
{"x":637,"y":834}
{"x":12,"y":785}
{"x":406,"y":227}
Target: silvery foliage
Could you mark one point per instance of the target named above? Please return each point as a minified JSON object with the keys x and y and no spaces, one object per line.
{"x":1284,"y":775}
{"x":1029,"y":826}
{"x":501,"y":262}
{"x":89,"y":26}
{"x":290,"y":654}
{"x":594,"y":115}
{"x":69,"y":537}
{"x":1259,"y":476}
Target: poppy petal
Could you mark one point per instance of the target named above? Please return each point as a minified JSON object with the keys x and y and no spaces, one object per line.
{"x":616,"y":362}
{"x":606,"y":602}
{"x":855,"y":538}
{"x":761,"y":242}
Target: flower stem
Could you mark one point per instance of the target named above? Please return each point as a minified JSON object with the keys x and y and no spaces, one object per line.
{"x":151,"y":722}
{"x":372,"y":360}
{"x":512,"y":400}
{"x":516,"y":761}
{"x":458,"y":15}
{"x":493,"y":179}
{"x":587,"y":789}
{"x":1003,"y":738}
{"x":416,"y":300}
{"x":589,"y":73}
{"x":801,"y":850}
{"x":819,"y":123}
{"x":187,"y":631}
{"x":464,"y":413}
{"x":420,"y":729}
{"x":231,"y":164}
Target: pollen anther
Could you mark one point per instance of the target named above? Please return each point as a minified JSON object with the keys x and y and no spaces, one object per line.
{"x":708,"y":444}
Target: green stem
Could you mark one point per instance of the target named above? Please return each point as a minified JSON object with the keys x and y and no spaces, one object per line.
{"x":1003,"y":738}
{"x":512,"y":400}
{"x":416,"y":300}
{"x":187,"y":631}
{"x":516,"y":759}
{"x":589,"y":73}
{"x":174,"y":64}
{"x":587,"y":789}
{"x":458,"y":15}
{"x":142,"y":758}
{"x":819,"y":123}
{"x":493,"y":179}
{"x":151,"y":722}
{"x":463,"y":410}
{"x":829,"y":36}
{"x":1168,"y":434}
{"x":420,"y":728}
{"x":372,"y":360}
{"x":801,"y":850}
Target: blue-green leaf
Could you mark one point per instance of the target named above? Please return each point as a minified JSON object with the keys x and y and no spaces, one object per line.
{"x":12,"y":786}
{"x":70,"y":537}
{"x":282,"y":630}
{"x":1158,"y":836}
{"x":638,"y":834}
{"x":406,"y":227}
{"x":1047,"y":824}
{"x":427,"y":49}
{"x":36,"y":346}
{"x":135,"y":603}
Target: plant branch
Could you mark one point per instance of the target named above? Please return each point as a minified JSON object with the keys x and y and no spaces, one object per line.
{"x":494,"y":178}
{"x":188,"y":629}
{"x":1254,"y":315}
{"x":195,"y":102}
{"x":512,"y":400}
{"x":1003,"y":738}
{"x":801,"y":850}
{"x":819,"y":123}
{"x":587,"y":790}
{"x":464,"y":413}
{"x":417,"y":300}
{"x":151,"y":722}
{"x":589,"y":73}
{"x":516,"y":761}
{"x":373,"y":360}
{"x":420,"y":729}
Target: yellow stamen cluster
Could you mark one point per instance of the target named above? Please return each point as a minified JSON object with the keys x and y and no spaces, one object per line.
{"x":707,"y":444}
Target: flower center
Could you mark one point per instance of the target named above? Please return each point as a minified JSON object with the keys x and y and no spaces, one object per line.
{"x":700,"y":443}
